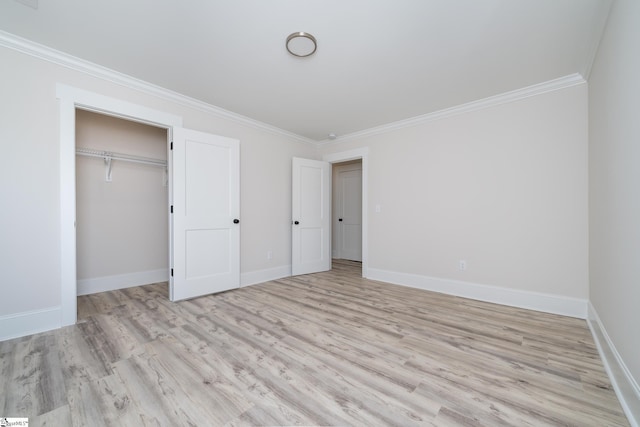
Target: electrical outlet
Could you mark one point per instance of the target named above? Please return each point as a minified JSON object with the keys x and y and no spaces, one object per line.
{"x":462,"y":265}
{"x":269,"y":254}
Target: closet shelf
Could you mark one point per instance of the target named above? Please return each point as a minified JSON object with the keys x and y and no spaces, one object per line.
{"x":108,"y":156}
{"x":88,"y":152}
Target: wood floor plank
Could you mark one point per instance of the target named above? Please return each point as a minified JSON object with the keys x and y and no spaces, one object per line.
{"x":147,"y":393}
{"x":34,"y":382}
{"x":274,"y":373}
{"x":307,"y":380}
{"x":230,"y":366}
{"x":329,"y":348}
{"x":329,"y":344}
{"x":58,"y":417}
{"x":198,"y":382}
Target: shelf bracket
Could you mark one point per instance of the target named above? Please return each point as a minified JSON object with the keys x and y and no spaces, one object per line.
{"x":107,"y":163}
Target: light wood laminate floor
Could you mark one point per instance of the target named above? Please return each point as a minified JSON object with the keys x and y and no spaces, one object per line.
{"x":321,"y":349}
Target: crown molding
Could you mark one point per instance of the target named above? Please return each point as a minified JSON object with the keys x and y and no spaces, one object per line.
{"x":492,"y":101}
{"x":46,"y":53}
{"x":28,"y":47}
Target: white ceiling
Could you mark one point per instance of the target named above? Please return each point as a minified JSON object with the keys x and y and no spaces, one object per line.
{"x":378,"y":61}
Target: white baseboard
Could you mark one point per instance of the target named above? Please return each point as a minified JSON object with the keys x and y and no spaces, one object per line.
{"x":121,"y":281}
{"x":548,"y":303}
{"x":29,"y":322}
{"x":623,"y":382}
{"x":261,"y":276}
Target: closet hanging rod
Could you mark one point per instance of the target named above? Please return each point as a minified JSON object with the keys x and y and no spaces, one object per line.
{"x":119,"y":156}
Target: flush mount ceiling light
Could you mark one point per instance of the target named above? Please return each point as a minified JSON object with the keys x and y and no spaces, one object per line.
{"x":301,"y":44}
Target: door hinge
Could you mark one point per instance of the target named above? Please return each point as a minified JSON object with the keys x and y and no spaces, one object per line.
{"x":172,"y":272}
{"x":171,"y":146}
{"x":171,"y":208}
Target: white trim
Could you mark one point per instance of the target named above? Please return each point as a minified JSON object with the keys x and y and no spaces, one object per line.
{"x":37,"y":50}
{"x":57,"y":57}
{"x":71,"y":98}
{"x":29,"y":322}
{"x":492,"y":101}
{"x":624,"y":384}
{"x":96,"y":102}
{"x":67,"y":135}
{"x":548,"y":303}
{"x":261,"y":276}
{"x":121,"y":281}
{"x":344,"y":156}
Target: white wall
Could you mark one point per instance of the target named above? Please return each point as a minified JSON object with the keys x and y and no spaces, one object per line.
{"x":29,"y":174}
{"x":122,"y":225}
{"x":503,"y":188}
{"x":614,"y":183}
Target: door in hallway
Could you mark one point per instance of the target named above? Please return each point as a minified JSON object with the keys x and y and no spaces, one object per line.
{"x":348,"y":211}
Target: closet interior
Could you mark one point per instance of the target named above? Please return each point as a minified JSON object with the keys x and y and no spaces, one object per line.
{"x":122,"y":224}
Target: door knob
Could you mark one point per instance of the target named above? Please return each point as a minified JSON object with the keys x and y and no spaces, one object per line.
{"x":340,"y":219}
{"x":236,"y":221}
{"x":296,"y":222}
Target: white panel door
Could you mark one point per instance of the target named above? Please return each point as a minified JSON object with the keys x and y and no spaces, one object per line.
{"x":311,"y":216}
{"x":205,"y":219}
{"x":349,"y":221}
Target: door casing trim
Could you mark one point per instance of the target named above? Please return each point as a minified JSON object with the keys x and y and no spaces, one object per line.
{"x":363,"y":154}
{"x":69,"y":99}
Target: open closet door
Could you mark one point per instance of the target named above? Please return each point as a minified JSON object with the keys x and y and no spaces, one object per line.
{"x":205,"y":250}
{"x":311,"y":216}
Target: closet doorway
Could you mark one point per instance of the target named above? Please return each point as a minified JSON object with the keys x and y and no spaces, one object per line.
{"x":195,"y":166}
{"x":122,"y":223}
